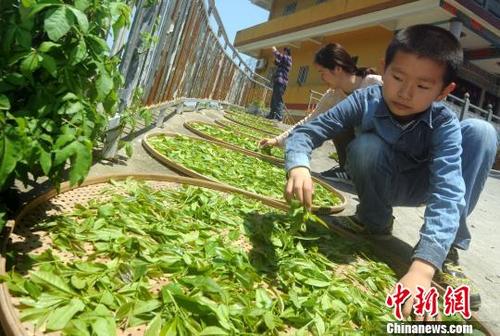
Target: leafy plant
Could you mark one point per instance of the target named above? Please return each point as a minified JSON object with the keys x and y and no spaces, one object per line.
{"x":248,"y":131}
{"x":254,"y":121}
{"x":57,"y":85}
{"x":232,"y":167}
{"x":231,"y":137}
{"x":250,"y":117}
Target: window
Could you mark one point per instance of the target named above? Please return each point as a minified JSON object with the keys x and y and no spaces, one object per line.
{"x":302,"y":76}
{"x":290,"y":8}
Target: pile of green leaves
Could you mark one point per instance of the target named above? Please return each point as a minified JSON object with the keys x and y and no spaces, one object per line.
{"x":252,"y":118}
{"x":233,"y":138}
{"x":232,"y":167}
{"x":58,"y":85}
{"x":248,"y":131}
{"x":197,"y":262}
{"x":249,"y":120}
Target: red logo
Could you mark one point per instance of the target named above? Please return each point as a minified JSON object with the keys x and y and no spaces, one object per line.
{"x":397,"y":300}
{"x":426,"y":302}
{"x":457,"y":301}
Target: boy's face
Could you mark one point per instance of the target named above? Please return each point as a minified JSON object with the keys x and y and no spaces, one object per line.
{"x":412,"y":83}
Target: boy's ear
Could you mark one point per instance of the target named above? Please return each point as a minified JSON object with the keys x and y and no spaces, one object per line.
{"x":446,"y":91}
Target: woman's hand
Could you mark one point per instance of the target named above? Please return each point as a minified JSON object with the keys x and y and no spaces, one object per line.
{"x":268,"y":142}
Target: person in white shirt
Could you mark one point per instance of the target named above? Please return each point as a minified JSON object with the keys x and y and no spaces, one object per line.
{"x":339,"y":71}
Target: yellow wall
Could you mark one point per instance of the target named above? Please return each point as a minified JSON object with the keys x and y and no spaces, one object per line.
{"x":368,"y":44}
{"x":318,"y":14}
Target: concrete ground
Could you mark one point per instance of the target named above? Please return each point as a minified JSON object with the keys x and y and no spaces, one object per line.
{"x":481,"y":261}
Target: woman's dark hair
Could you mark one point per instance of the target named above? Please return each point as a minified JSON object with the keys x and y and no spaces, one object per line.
{"x":333,"y":55}
{"x":287,"y":51}
{"x":428,"y":41}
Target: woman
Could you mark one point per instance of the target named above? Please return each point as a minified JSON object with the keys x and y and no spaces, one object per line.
{"x":338,"y":70}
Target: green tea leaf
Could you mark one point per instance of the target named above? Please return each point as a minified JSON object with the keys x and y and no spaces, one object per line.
{"x":213,"y":331}
{"x":154,"y":327}
{"x":58,"y":318}
{"x":58,"y":23}
{"x":4,"y":102}
{"x":81,"y":18}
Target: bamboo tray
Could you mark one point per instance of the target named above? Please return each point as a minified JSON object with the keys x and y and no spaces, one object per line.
{"x":231,"y":117}
{"x":52,"y":203}
{"x":231,"y":125}
{"x":282,"y":204}
{"x":270,"y":122}
{"x":189,"y":126}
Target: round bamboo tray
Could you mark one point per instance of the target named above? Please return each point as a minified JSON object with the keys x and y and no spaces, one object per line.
{"x":231,"y":117}
{"x":270,"y":122}
{"x":53,"y":202}
{"x":189,"y":126}
{"x":282,"y":204}
{"x":225,"y":125}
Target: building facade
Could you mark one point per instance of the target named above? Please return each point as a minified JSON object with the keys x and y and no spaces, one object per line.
{"x":364,"y":28}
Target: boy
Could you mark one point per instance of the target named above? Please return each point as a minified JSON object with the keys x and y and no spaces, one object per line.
{"x":410,"y":150}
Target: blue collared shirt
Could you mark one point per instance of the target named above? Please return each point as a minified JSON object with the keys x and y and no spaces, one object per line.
{"x":434,"y":138}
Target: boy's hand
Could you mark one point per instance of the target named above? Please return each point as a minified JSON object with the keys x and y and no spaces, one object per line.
{"x":419,"y":274}
{"x":268,"y":142}
{"x":299,"y":186}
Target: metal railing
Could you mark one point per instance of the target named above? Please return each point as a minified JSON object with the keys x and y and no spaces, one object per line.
{"x":179,"y":48}
{"x":462,"y":107}
{"x":314,"y":98}
{"x":466,"y":109}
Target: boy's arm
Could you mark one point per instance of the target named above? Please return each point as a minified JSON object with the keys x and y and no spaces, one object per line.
{"x":447,"y":190}
{"x":442,"y":214}
{"x":305,"y":138}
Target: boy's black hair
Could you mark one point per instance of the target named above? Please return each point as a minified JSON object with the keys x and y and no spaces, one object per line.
{"x":428,"y":41}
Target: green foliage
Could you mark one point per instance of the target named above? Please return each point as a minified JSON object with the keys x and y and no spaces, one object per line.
{"x":334,"y":156}
{"x":232,"y":167}
{"x":57,"y":85}
{"x":251,"y":132}
{"x":229,"y":136}
{"x":255,"y":122}
{"x":258,"y":103}
{"x":196,"y":262}
{"x":136,"y":111}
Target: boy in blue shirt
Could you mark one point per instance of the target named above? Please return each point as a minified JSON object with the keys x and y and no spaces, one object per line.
{"x":410,"y":150}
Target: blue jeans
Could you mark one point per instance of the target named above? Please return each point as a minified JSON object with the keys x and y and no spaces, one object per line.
{"x":383,"y":178}
{"x":277,"y":101}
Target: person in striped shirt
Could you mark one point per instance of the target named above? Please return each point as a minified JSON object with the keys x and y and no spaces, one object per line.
{"x":283,"y":62}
